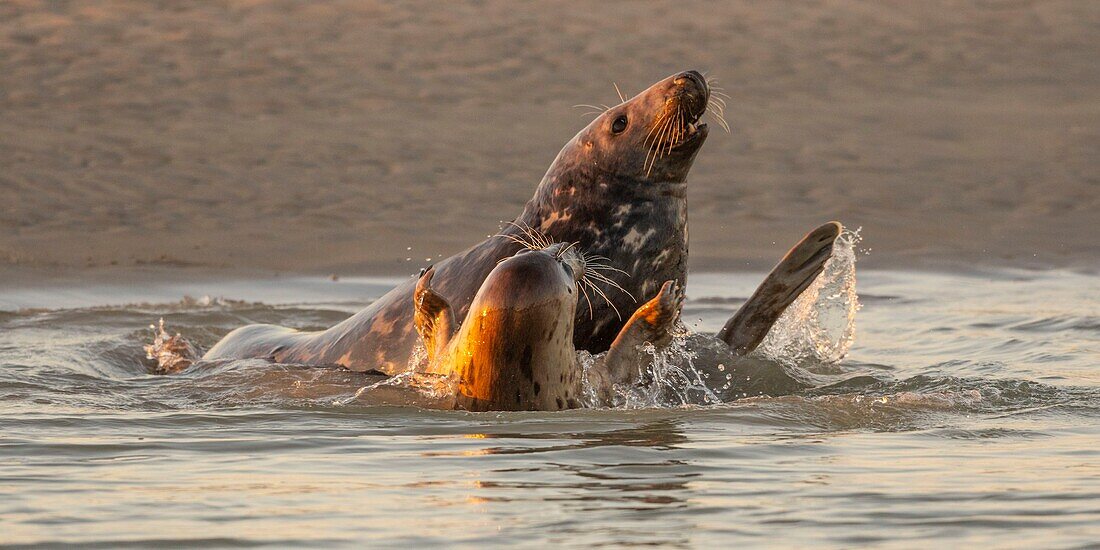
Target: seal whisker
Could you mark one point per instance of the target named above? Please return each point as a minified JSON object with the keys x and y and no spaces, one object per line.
{"x":543,"y":240}
{"x":597,"y":290}
{"x":619,"y":93}
{"x":526,"y":241}
{"x":533,"y":234}
{"x":610,"y":282}
{"x":721,"y":122}
{"x":600,"y":262}
{"x":667,"y":139}
{"x":534,"y":240}
{"x":603,"y":267}
{"x":679,"y":130}
{"x":653,"y":129}
{"x":569,"y":247}
{"x":596,"y":257}
{"x":518,"y":241}
{"x":673,"y":130}
{"x":584,"y":292}
{"x":719,"y":114}
{"x":657,"y":142}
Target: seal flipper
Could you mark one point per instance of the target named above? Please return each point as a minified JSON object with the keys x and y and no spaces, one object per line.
{"x":802,"y":264}
{"x":653,"y":323}
{"x":435,"y":321}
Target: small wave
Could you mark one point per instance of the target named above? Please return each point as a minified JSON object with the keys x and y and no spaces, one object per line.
{"x":1087,"y":323}
{"x":170,"y":353}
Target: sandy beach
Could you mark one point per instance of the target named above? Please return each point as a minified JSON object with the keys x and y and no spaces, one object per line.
{"x":363,"y":138}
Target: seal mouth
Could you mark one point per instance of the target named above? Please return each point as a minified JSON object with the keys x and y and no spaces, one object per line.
{"x":696,"y":131}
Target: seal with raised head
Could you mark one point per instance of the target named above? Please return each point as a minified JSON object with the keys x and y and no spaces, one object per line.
{"x":514,"y":350}
{"x":617,"y":189}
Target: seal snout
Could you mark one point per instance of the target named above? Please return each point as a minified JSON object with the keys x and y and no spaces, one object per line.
{"x":570,"y":258}
{"x":693,"y":91}
{"x":694,"y":76}
{"x":688,"y":96}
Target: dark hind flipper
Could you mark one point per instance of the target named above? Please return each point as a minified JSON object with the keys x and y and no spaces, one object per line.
{"x":802,"y":264}
{"x":652,"y":322}
{"x":435,"y":321}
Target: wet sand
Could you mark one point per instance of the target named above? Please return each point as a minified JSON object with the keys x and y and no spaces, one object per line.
{"x":332,"y":136}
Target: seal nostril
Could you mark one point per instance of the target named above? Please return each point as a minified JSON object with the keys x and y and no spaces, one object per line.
{"x":694,"y":76}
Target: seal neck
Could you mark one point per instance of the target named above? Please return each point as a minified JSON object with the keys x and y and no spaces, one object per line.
{"x":586,"y":196}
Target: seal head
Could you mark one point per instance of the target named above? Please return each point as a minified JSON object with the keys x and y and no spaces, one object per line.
{"x":514,"y":351}
{"x":651,"y":137}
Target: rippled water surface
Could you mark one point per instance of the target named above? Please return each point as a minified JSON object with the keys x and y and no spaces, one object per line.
{"x":967,"y":410}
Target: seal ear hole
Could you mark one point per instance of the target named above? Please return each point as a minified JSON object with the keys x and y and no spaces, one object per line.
{"x":618,"y":125}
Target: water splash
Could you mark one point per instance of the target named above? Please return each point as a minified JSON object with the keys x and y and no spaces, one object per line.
{"x":171,"y":353}
{"x":668,"y":377}
{"x":819,"y":327}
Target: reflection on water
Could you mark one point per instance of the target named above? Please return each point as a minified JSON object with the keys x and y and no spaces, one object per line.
{"x":967,"y":411}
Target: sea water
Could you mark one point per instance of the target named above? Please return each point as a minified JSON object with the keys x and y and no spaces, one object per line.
{"x":943,"y":408}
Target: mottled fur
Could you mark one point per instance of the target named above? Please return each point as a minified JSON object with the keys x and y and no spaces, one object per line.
{"x":514,"y":350}
{"x":606,"y":191}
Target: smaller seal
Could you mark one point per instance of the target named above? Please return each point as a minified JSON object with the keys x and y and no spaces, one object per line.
{"x":514,"y":351}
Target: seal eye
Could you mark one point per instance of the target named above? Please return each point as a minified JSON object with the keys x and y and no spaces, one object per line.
{"x":619,"y":125}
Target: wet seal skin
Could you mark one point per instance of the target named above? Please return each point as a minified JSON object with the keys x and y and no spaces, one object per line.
{"x":617,"y":189}
{"x":514,"y":350}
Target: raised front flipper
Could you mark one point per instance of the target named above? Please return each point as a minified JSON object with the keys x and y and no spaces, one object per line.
{"x":748,"y":327}
{"x":435,"y":321}
{"x":652,"y":322}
